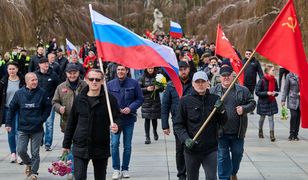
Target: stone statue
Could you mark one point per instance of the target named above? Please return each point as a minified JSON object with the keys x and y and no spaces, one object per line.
{"x":158,"y":22}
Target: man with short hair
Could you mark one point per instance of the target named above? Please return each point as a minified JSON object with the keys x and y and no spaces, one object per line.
{"x":32,"y":104}
{"x":129,"y":97}
{"x":193,"y":110}
{"x":48,"y":80}
{"x":238,"y":102}
{"x":53,"y":64}
{"x":62,"y":61}
{"x":34,"y":61}
{"x":170,"y":101}
{"x":88,"y":128}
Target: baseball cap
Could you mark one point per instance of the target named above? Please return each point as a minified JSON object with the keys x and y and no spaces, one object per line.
{"x":183,"y":64}
{"x":200,"y":75}
{"x":225,"y":70}
{"x":43,"y":60}
{"x":71,"y":67}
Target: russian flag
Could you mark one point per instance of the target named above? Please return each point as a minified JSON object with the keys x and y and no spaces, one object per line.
{"x":69,"y":47}
{"x":175,"y":30}
{"x":118,"y":44}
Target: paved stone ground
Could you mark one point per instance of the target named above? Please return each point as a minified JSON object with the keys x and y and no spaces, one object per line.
{"x":280,"y":160}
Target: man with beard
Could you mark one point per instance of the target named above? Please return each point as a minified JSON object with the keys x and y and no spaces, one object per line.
{"x":34,"y":61}
{"x":170,"y":103}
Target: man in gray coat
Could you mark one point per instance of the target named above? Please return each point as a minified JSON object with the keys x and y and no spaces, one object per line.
{"x":238,"y":103}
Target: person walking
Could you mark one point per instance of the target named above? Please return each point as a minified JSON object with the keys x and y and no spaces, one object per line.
{"x":33,"y":106}
{"x":192,"y":112}
{"x":267,"y":90}
{"x":9,"y":84}
{"x":151,"y":107}
{"x":238,"y":103}
{"x":170,"y":102}
{"x":88,"y":128}
{"x":129,"y":97}
{"x":291,"y":93}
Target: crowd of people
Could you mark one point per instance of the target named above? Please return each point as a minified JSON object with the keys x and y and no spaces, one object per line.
{"x":35,"y":88}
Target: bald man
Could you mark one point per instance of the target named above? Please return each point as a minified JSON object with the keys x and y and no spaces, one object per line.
{"x":32,"y":105}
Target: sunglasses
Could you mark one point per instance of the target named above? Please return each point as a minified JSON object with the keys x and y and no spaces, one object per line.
{"x":96,"y":79}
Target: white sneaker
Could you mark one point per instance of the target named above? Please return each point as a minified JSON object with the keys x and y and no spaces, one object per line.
{"x":125,"y":174}
{"x":13,"y":158}
{"x":116,"y":174}
{"x":19,"y":160}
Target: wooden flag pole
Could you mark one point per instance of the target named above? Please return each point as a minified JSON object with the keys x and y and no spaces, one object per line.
{"x":106,"y":92}
{"x":222,"y":98}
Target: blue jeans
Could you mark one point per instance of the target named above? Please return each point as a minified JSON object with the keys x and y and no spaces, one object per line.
{"x":227,"y":165}
{"x":13,"y":134}
{"x":127,"y":132}
{"x":49,"y":128}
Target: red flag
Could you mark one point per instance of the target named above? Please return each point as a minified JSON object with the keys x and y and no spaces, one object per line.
{"x":225,"y":49}
{"x":149,"y":34}
{"x":283,"y":45}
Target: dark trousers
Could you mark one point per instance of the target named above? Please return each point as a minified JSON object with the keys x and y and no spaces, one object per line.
{"x":81,"y":166}
{"x":193,"y":161}
{"x":147,"y":124}
{"x":251,"y":88}
{"x":179,"y":157}
{"x":282,"y":72}
{"x":294,"y":122}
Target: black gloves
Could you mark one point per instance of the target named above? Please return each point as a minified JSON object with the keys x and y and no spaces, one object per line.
{"x":189,"y":143}
{"x":220,"y":108}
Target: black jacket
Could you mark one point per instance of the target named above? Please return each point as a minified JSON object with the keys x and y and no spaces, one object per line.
{"x":151,"y":107}
{"x":251,"y":71}
{"x":170,"y":102}
{"x":3,"y":89}
{"x":48,"y":82}
{"x":88,"y":128}
{"x":264,"y":106}
{"x":192,"y":113}
{"x":243,"y":98}
{"x":33,"y":66}
{"x":32,"y":107}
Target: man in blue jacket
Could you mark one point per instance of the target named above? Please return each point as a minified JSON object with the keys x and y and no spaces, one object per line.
{"x":31,"y":102}
{"x":129,"y":97}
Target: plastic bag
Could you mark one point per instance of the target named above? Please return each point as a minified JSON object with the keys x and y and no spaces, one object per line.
{"x":284,"y":113}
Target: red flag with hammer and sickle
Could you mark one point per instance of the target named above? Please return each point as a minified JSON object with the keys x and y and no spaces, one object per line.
{"x":283,"y":45}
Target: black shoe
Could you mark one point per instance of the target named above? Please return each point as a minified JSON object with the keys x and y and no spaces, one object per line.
{"x":155,"y":136}
{"x":296,"y":138}
{"x":147,"y":141}
{"x":291,"y":138}
{"x":48,"y":148}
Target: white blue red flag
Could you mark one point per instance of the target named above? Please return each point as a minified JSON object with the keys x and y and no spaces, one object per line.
{"x":175,"y":30}
{"x":118,"y":44}
{"x":69,"y":47}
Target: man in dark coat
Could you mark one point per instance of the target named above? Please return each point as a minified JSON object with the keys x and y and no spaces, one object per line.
{"x":170,"y":101}
{"x":88,"y":128}
{"x":62,"y":61}
{"x":193,"y":110}
{"x":34,"y":61}
{"x":32,"y":104}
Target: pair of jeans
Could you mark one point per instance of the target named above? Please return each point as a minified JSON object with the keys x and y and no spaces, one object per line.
{"x":49,"y":128}
{"x":127,"y":132}
{"x":227,"y":165}
{"x":13,"y":134}
{"x":81,"y":166}
{"x":193,"y":161}
{"x":22,"y":148}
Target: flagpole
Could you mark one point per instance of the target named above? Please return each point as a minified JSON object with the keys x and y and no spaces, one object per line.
{"x":106,"y":92}
{"x":222,"y":98}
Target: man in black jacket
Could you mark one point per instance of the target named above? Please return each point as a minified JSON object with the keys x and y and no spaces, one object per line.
{"x":48,"y":80}
{"x":88,"y":128}
{"x":238,"y":102}
{"x":32,"y":104}
{"x":192,"y":112}
{"x":34,"y":61}
{"x":169,"y":104}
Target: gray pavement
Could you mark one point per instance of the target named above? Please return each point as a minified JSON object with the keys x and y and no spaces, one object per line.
{"x":280,"y":160}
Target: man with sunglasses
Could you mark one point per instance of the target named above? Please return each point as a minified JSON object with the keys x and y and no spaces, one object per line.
{"x":251,"y":71}
{"x":129,"y":97}
{"x":238,"y":102}
{"x":88,"y":128}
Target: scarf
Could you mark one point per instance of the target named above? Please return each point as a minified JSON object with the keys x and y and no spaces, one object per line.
{"x":271,"y":85}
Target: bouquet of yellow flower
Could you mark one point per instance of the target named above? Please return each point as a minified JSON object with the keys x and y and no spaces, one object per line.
{"x":284,"y":113}
{"x":161,"y":82}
